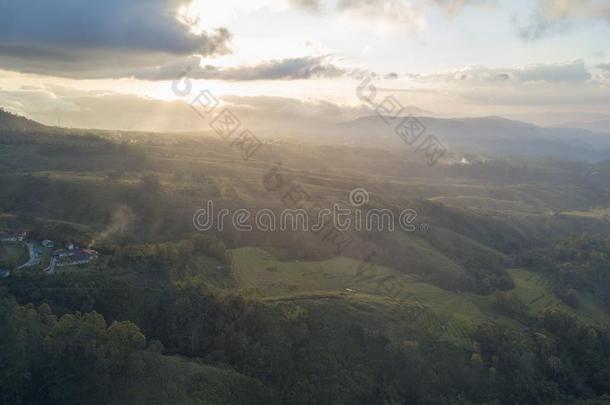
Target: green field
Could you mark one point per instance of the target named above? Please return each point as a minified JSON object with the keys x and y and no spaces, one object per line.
{"x":382,"y":290}
{"x":12,"y":254}
{"x":535,"y":291}
{"x":344,"y":279}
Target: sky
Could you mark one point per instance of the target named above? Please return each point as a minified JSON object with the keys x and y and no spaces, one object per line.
{"x":111,"y":64}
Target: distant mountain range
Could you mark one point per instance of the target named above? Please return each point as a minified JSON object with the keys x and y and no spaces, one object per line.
{"x":596,"y":126}
{"x":558,"y":119}
{"x":486,"y":135}
{"x":491,"y":136}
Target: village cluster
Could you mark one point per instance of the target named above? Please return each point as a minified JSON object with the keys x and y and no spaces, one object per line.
{"x":12,"y":235}
{"x":59,"y":254}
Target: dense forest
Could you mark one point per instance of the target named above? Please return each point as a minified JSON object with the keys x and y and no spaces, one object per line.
{"x":296,"y":354}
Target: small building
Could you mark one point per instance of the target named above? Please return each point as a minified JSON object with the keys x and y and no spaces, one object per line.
{"x":90,"y":252}
{"x":80,"y":258}
{"x":48,"y":244}
{"x":13,"y":235}
{"x":75,"y":257}
{"x":69,"y":246}
{"x":59,"y":253}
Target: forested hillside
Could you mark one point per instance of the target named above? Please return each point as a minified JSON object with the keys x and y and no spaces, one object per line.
{"x":499,"y":295}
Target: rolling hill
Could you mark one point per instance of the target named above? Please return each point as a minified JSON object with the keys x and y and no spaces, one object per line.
{"x":596,"y":126}
{"x":14,"y":122}
{"x":485,"y":135}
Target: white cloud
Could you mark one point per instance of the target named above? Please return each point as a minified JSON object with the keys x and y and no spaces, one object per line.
{"x":309,"y":5}
{"x":388,"y":12}
{"x":307,"y":67}
{"x":453,"y":7}
{"x":110,"y":110}
{"x":468,"y":91}
{"x":552,"y":17}
{"x":574,"y":71}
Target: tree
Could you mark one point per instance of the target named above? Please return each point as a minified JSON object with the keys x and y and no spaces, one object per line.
{"x":151,"y":183}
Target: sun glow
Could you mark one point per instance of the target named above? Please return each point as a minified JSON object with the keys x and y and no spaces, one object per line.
{"x":210,"y":14}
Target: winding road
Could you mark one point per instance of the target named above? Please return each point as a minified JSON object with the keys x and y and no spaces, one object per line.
{"x":33,"y":257}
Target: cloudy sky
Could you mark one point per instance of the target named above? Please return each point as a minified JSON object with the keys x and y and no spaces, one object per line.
{"x":111,"y":64}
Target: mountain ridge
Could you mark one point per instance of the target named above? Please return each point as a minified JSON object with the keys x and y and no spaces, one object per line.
{"x":10,"y":121}
{"x":486,"y":135}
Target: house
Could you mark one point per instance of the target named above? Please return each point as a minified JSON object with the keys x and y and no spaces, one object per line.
{"x":69,"y":246}
{"x":75,"y":257}
{"x":59,"y":253}
{"x":13,"y":235}
{"x":48,"y":244}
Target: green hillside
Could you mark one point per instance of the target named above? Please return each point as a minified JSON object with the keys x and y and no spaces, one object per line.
{"x":536,"y":292}
{"x":503,"y":283}
{"x":12,"y":255}
{"x":175,"y":380}
{"x":14,"y":122}
{"x":260,"y":275}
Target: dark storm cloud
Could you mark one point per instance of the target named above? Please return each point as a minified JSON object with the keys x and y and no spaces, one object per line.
{"x":89,"y":39}
{"x":73,"y":37}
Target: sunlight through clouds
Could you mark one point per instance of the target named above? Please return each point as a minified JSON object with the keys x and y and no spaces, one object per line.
{"x":448,"y":56}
